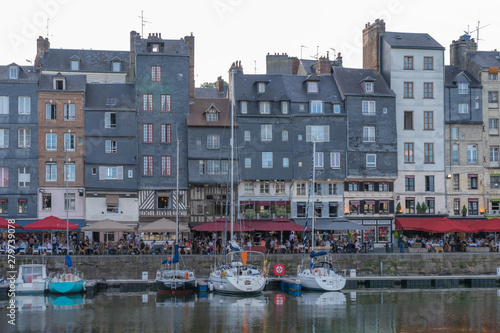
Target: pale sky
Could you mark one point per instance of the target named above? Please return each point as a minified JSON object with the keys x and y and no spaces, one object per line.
{"x":246,"y":30}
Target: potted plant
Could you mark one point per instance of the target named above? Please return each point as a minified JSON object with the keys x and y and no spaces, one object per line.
{"x":419,"y":208}
{"x":423,"y":207}
{"x":464,"y":211}
{"x":265,"y":213}
{"x":249,"y":213}
{"x":281,"y":211}
{"x":398,"y":207}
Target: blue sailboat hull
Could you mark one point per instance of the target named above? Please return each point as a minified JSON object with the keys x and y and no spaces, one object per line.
{"x":66,"y":287}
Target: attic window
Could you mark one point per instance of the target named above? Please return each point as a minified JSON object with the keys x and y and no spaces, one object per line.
{"x":74,"y":65}
{"x":13,"y":72}
{"x":111,"y":102}
{"x":212,"y":116}
{"x":312,"y":87}
{"x":261,"y":87}
{"x":155,"y":48}
{"x":369,"y":87}
{"x":59,"y":84}
{"x":116,"y":66}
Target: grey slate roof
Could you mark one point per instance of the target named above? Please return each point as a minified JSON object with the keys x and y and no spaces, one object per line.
{"x":486,"y":58}
{"x":25,"y":73}
{"x":73,"y":82}
{"x":97,"y":95}
{"x":349,"y":81}
{"x":451,"y":74}
{"x":408,"y":40}
{"x":210,"y":92}
{"x":90,"y":60}
{"x":170,"y":46}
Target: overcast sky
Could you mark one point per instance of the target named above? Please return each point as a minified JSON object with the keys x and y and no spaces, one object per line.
{"x":246,"y":30}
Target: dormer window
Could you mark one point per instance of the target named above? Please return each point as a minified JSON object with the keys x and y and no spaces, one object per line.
{"x":244,"y":107}
{"x":212,"y":114}
{"x":261,"y":87}
{"x":13,"y":72}
{"x":155,"y":48}
{"x":463,"y":88}
{"x":59,"y":84}
{"x":116,"y":66}
{"x":369,"y":87}
{"x":312,"y":87}
{"x":74,"y":64}
{"x":284,"y":107}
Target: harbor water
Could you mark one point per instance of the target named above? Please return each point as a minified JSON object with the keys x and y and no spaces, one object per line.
{"x":369,"y":310}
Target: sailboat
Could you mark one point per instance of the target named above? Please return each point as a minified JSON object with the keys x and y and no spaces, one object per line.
{"x":69,"y":282}
{"x":237,"y":275}
{"x":319,"y":274}
{"x":31,"y":279}
{"x":170,"y":279}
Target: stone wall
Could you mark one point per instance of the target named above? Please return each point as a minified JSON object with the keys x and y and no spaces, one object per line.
{"x":132,"y":266}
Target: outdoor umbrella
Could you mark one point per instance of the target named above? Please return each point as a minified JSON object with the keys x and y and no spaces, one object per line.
{"x":219,"y":226}
{"x":51,"y":223}
{"x":107,"y":225}
{"x":340,"y":225}
{"x":4,"y":224}
{"x":163,"y":225}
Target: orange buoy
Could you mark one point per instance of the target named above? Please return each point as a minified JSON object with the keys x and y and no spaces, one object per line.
{"x":186,"y":275}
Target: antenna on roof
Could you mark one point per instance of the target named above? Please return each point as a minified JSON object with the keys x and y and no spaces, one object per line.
{"x":47,"y":27}
{"x":476,"y":31}
{"x":301,"y":47}
{"x":255,"y":66}
{"x":143,"y":22}
{"x":317,"y":53}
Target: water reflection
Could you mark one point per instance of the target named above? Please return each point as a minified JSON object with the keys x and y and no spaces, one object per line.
{"x":464,"y":310}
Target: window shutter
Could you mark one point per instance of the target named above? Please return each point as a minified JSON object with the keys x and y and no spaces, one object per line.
{"x":361,"y":206}
{"x":346,"y":187}
{"x":391,"y":186}
{"x":327,"y":133}
{"x":324,"y":189}
{"x":308,"y":133}
{"x":361,"y":186}
{"x":294,"y":209}
{"x":325,"y":212}
{"x":377,"y":206}
{"x":102,"y":173}
{"x":119,"y":172}
{"x":391,"y":206}
{"x":375,"y":185}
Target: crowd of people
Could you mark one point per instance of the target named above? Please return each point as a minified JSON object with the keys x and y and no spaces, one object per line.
{"x":448,"y":243}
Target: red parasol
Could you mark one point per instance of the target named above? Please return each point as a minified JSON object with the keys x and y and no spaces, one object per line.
{"x":50,"y":223}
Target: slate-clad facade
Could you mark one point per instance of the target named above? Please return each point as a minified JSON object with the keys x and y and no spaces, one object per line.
{"x":18,"y":142}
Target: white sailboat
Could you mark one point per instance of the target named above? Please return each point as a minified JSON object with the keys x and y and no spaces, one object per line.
{"x":31,"y":279}
{"x":319,"y":274}
{"x":238,"y":275}
{"x":170,"y":279}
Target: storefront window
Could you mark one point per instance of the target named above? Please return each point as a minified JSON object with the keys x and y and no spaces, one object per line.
{"x":383,"y":234}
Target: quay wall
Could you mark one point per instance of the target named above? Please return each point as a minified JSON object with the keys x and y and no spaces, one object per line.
{"x":132,"y":266}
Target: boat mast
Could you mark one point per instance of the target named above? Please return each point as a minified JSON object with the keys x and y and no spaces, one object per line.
{"x":67,"y":200}
{"x":177,"y":197}
{"x":313,"y":189}
{"x":232,"y":152}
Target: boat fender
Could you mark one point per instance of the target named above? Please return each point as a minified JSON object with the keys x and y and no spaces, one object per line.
{"x":186,"y":276}
{"x":223,"y":273}
{"x":316,"y":270}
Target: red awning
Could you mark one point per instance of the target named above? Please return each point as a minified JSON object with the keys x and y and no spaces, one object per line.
{"x":5,"y":224}
{"x":219,"y":225}
{"x":443,"y":224}
{"x":51,"y":223}
{"x":275,"y":225}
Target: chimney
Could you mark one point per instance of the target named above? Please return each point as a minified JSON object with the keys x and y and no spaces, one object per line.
{"x":338,"y":60}
{"x":371,"y":44}
{"x":189,"y":40}
{"x":220,"y":84}
{"x":295,"y":65}
{"x":324,"y":66}
{"x":134,"y":37}
{"x":278,"y":64}
{"x":42,"y":46}
{"x":459,"y":49}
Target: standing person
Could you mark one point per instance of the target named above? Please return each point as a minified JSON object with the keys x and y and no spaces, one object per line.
{"x":401,"y":244}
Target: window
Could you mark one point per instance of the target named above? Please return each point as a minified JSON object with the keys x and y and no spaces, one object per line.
{"x":213,"y":141}
{"x":284,"y":135}
{"x":494,"y":181}
{"x":456,"y":182}
{"x":111,"y":147}
{"x":69,"y":171}
{"x":336,"y":108}
{"x":318,"y":160}
{"x":51,"y":141}
{"x":110,"y":173}
{"x":368,"y":107}
{"x":165,"y":103}
{"x":286,"y":162}
{"x":50,"y":171}
{"x":463,"y":88}
{"x":368,"y":207}
{"x":4,"y":138}
{"x":110,"y":120}
{"x":371,"y":160}
{"x":265,"y":107}
{"x":147,"y":133}
{"x":312,"y":87}
{"x":471,"y":154}
{"x":147,"y":102}
{"x":463,"y":108}
{"x":428,"y":63}
{"x":368,"y":87}
{"x":409,"y":152}
{"x":46,"y":201}
{"x":456,"y":207}
{"x":24,"y":138}
{"x":280,"y":186}
{"x":249,"y":187}
{"x":428,"y":90}
{"x":493,"y":154}
{"x":74,"y":65}
{"x":472,"y":182}
{"x":383,"y":207}
{"x":248,"y":162}
{"x":332,"y":189}
{"x":166,"y":165}
{"x":455,"y":154}
{"x":318,"y":188}
{"x":408,"y":64}
{"x":368,"y":186}
{"x":354,"y":207}
{"x":383,"y":187}
{"x":428,"y":153}
{"x":69,"y":141}
{"x":408,"y":89}
{"x":316,"y":107}
{"x":301,"y":209}
{"x":50,"y":111}
{"x":23,"y":176}
{"x":266,"y":132}
{"x":165,"y":133}
{"x":4,"y":177}
{"x":59,"y":84}
{"x":333,"y":209}
{"x":22,"y":206}
{"x":264,"y":186}
{"x":246,"y":135}
{"x":147,"y":165}
{"x":408,"y":120}
{"x":4,"y":206}
{"x":409,"y":183}
{"x":492,"y":77}
{"x":244,"y":107}
{"x":155,"y":73}
{"x":4,"y":104}
{"x":429,"y":183}
{"x":334,"y":160}
{"x":318,"y":133}
{"x":430,"y":202}
{"x":13,"y":72}
{"x":368,"y":133}
{"x":69,"y":201}
{"x":353,"y":186}
{"x":428,"y":120}
{"x":473,"y":207}
{"x":212,"y":116}
{"x":116,"y":66}
{"x":261,"y":87}
{"x":69,"y":111}
{"x":454,"y":133}
{"x":301,"y":189}
{"x":284,"y":107}
{"x":410,"y":206}
{"x":24,"y":105}
{"x":267,"y":159}
{"x":492,"y":96}
{"x":131,"y":174}
{"x":155,"y":48}
{"x":493,"y":123}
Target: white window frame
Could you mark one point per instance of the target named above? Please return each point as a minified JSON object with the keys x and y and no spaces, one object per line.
{"x":368,"y":107}
{"x":51,"y":141}
{"x":23,"y":176}
{"x":312,"y":87}
{"x":369,"y":87}
{"x":454,"y":133}
{"x":24,"y":138}
{"x":248,"y":162}
{"x":69,"y":141}
{"x":335,"y":160}
{"x":111,"y":147}
{"x":284,"y":135}
{"x":319,"y":160}
{"x":493,"y":123}
{"x":111,"y":173}
{"x":108,"y":120}
{"x":320,"y":133}
{"x":69,"y":171}
{"x":493,"y":154}
{"x":261,"y":87}
{"x":471,"y":154}
{"x":463,"y":88}
{"x":266,"y":132}
{"x":244,"y":107}
{"x":4,"y":138}
{"x":336,"y":108}
{"x":213,"y":141}
{"x":463,"y":108}
{"x":246,"y":135}
{"x":13,"y":72}
{"x":369,"y":133}
{"x":51,"y":171}
{"x":316,"y":107}
{"x":284,"y":107}
{"x":265,"y":107}
{"x":69,"y":111}
{"x":24,"y":105}
{"x":69,"y":198}
{"x":286,"y":162}
{"x":74,"y":65}
{"x":371,"y":161}
{"x":267,"y":159}
{"x":116,"y":66}
{"x":4,"y":104}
